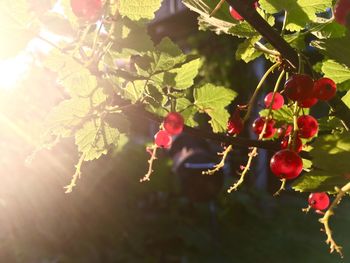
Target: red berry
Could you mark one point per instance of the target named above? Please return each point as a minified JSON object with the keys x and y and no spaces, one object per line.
{"x":299,"y":87}
{"x":278,"y":101}
{"x":308,"y":126}
{"x":163,"y":139}
{"x":86,"y":9}
{"x":308,"y":103}
{"x":237,"y":16}
{"x":258,"y":125}
{"x":297,"y":147}
{"x":341,"y":11}
{"x":174,"y":123}
{"x":286,"y":164}
{"x":325,"y":88}
{"x":318,"y":201}
{"x":235,"y":124}
{"x":285,"y":130}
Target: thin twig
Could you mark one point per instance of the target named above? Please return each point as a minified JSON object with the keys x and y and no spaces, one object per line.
{"x":221,"y":164}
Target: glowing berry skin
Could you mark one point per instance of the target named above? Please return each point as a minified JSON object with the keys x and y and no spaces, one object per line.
{"x":88,"y":10}
{"x":325,"y":88}
{"x":235,"y":124}
{"x":284,"y":131}
{"x":258,"y":126}
{"x":341,"y":12}
{"x":174,"y":123}
{"x":299,"y":87}
{"x":318,"y":201}
{"x":308,"y":126}
{"x":297,"y":147}
{"x":163,"y":139}
{"x":278,"y":101}
{"x":286,"y":164}
{"x":235,"y":15}
{"x":307,"y":103}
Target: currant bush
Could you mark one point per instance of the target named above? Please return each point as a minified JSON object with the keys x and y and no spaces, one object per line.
{"x":258,"y":125}
{"x":87,"y":9}
{"x":299,"y":87}
{"x":277,"y":103}
{"x":308,"y":126}
{"x":288,"y":143}
{"x":325,"y":88}
{"x":235,"y":123}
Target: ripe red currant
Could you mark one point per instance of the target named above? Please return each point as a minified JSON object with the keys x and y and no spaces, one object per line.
{"x":299,"y":87}
{"x":237,"y":16}
{"x":307,"y":103}
{"x":258,"y":126}
{"x":318,"y":201}
{"x":325,"y":88}
{"x":278,"y":101}
{"x":163,"y":139}
{"x":285,"y":130}
{"x":86,"y":9}
{"x":174,"y":123}
{"x":286,"y":164}
{"x":235,"y":124}
{"x":341,"y":11}
{"x":297,"y":147}
{"x":308,"y":126}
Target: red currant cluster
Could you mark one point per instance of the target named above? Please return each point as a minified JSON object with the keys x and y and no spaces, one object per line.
{"x":300,"y":88}
{"x":87,"y":10}
{"x":173,"y":125}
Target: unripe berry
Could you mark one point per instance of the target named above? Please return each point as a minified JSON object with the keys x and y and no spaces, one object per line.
{"x":325,"y":88}
{"x":299,"y":87}
{"x":258,"y":125}
{"x":286,"y":164}
{"x":318,"y":201}
{"x":163,"y":139}
{"x":278,"y":101}
{"x":88,"y":10}
{"x":308,"y":126}
{"x":174,"y":123}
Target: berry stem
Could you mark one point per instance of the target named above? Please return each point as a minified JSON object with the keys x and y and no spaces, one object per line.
{"x":255,"y":94}
{"x":221,"y":164}
{"x":330,"y":212}
{"x":282,"y":188}
{"x":150,"y":166}
{"x":217,"y":7}
{"x":76,"y":175}
{"x":254,"y":151}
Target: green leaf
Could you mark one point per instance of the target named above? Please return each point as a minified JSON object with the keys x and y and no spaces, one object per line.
{"x":246,"y":50}
{"x":134,"y":90}
{"x":73,"y":76}
{"x":131,"y":38}
{"x":166,"y":56}
{"x":187,"y":110}
{"x":95,"y":138}
{"x":346,"y":98}
{"x":329,"y":156}
{"x":180,"y":78}
{"x":300,"y":12}
{"x":283,"y":115}
{"x":212,"y":100}
{"x":18,"y":27}
{"x":139,"y":9}
{"x":65,"y":116}
{"x":335,"y":49}
{"x":324,"y":29}
{"x":337,"y":72}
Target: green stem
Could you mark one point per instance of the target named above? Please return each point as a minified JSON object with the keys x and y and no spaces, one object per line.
{"x":255,"y":94}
